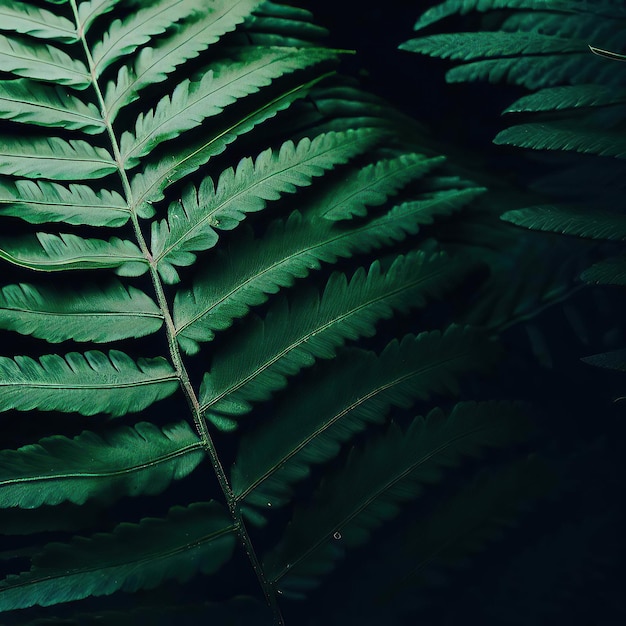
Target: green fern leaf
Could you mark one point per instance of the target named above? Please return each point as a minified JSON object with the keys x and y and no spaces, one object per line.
{"x":570,"y":221}
{"x":192,"y":222}
{"x":374,"y":184}
{"x":568,"y":97}
{"x":148,"y":186}
{"x":143,"y":459}
{"x":219,"y":87}
{"x":95,"y":314}
{"x":614,"y":360}
{"x":564,"y":136}
{"x":232,"y":282}
{"x":292,"y":337}
{"x":54,"y":158}
{"x":199,"y":537}
{"x":42,"y":62}
{"x":30,"y":20}
{"x":153,"y":65}
{"x":124,"y":37}
{"x":23,"y":100}
{"x":379,"y":478}
{"x":610,"y":271}
{"x":52,"y":253}
{"x":87,"y":383}
{"x":361,"y":388}
{"x":39,"y":201}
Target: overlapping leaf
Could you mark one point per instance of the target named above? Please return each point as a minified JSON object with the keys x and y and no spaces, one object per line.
{"x":197,"y":538}
{"x":143,"y":459}
{"x":361,"y":387}
{"x":88,"y":383}
{"x":193,"y":222}
{"x":379,"y":478}
{"x":292,"y":336}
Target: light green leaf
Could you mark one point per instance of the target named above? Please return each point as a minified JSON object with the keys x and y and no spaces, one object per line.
{"x":223,"y":85}
{"x":197,"y":538}
{"x":192,"y":222}
{"x":312,"y":422}
{"x":95,"y":314}
{"x":143,"y":459}
{"x":379,"y":478}
{"x":88,"y":383}
{"x":124,"y":37}
{"x":153,"y":65}
{"x":52,"y":253}
{"x":23,"y":100}
{"x":257,"y":361}
{"x":27,"y":19}
{"x":611,"y":271}
{"x":42,"y":62}
{"x":40,"y":201}
{"x":55,"y":158}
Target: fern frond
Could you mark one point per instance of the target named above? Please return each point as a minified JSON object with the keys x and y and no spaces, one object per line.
{"x":614,"y":360}
{"x":88,"y":383}
{"x":143,"y":459}
{"x":192,"y":222}
{"x":570,"y":221}
{"x":40,"y":201}
{"x":95,"y":314}
{"x":309,"y":426}
{"x":90,"y":10}
{"x":26,"y":19}
{"x":50,"y":253}
{"x":192,"y":102}
{"x":23,"y":100}
{"x":292,"y":337}
{"x":379,"y":478}
{"x":42,"y":62}
{"x":54,"y":158}
{"x":196,"y":538}
{"x":153,"y":65}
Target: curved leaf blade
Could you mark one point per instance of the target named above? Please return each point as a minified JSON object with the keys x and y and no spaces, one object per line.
{"x":41,"y":201}
{"x":54,"y":158}
{"x":88,"y":383}
{"x":42,"y":62}
{"x":143,"y":459}
{"x":23,"y":100}
{"x":27,"y":19}
{"x":52,"y":253}
{"x":197,"y":538}
{"x":97,"y":314}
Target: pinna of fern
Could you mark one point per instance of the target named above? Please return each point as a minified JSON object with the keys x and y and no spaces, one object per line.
{"x":226,"y":227}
